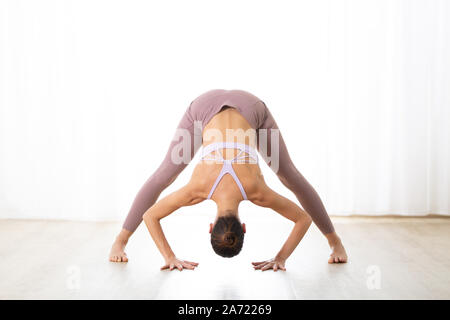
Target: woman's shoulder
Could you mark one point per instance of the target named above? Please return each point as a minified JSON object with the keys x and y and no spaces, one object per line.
{"x":201,"y":176}
{"x":254,"y":186}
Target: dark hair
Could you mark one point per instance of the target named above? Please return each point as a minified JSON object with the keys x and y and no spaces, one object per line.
{"x":227,"y":236}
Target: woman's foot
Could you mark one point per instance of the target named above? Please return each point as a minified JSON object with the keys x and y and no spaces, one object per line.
{"x":117,"y":253}
{"x":338,"y":254}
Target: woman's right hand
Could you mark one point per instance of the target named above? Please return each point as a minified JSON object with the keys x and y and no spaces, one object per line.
{"x":275,"y":264}
{"x":174,"y":262}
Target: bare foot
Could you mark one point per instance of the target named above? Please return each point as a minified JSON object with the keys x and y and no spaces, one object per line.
{"x":338,"y":254}
{"x":117,"y":253}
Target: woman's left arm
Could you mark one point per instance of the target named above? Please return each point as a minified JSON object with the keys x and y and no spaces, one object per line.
{"x":185,"y":196}
{"x":270,"y":199}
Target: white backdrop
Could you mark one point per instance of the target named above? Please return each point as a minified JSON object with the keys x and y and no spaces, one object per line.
{"x":91,"y":92}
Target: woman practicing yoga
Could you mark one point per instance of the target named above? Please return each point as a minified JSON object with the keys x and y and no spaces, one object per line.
{"x":230,"y":125}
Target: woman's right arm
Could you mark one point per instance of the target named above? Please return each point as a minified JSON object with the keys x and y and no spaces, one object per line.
{"x":185,"y":196}
{"x":266,"y":197}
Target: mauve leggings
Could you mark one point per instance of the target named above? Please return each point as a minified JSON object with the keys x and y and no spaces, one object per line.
{"x":202,"y":109}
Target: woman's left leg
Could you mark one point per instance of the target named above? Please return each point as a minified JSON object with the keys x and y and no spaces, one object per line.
{"x":172,"y":165}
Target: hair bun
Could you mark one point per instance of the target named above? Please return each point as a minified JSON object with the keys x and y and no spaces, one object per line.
{"x":229,"y":238}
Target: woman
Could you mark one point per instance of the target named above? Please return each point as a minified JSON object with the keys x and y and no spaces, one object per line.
{"x":230,"y":124}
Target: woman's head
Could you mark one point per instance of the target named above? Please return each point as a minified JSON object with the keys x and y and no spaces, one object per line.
{"x":227,"y":236}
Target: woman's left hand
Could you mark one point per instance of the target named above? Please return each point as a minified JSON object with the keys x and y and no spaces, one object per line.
{"x":174,"y":262}
{"x":275,"y":264}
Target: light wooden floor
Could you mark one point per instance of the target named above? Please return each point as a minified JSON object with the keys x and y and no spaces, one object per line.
{"x":400,"y":258}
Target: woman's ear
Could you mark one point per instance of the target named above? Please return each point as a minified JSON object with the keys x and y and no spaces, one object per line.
{"x":210,"y":227}
{"x":243,"y":227}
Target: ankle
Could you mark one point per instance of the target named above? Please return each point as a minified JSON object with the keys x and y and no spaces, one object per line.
{"x":121,"y":241}
{"x":333,"y":239}
{"x":123,"y":236}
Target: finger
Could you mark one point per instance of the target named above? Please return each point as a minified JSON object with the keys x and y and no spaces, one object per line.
{"x":275,"y":267}
{"x":188,"y":266}
{"x":165,"y":267}
{"x":179,"y":267}
{"x":267,"y":264}
{"x":259,"y":266}
{"x":336,"y":260}
{"x":331,"y":260}
{"x":256,"y":263}
{"x":192,"y":263}
{"x":171,"y":266}
{"x":283,"y":268}
{"x":266,"y":267}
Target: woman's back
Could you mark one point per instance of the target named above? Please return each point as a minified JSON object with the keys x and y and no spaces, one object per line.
{"x":228,"y":126}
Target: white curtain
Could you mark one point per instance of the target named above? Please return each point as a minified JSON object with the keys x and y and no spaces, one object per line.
{"x":91,"y":92}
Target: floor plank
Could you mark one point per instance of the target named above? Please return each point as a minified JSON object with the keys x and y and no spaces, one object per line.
{"x":68,"y":260}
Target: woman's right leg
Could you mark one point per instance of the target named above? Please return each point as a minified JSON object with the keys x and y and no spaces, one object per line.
{"x":174,"y":162}
{"x":296,"y":182}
